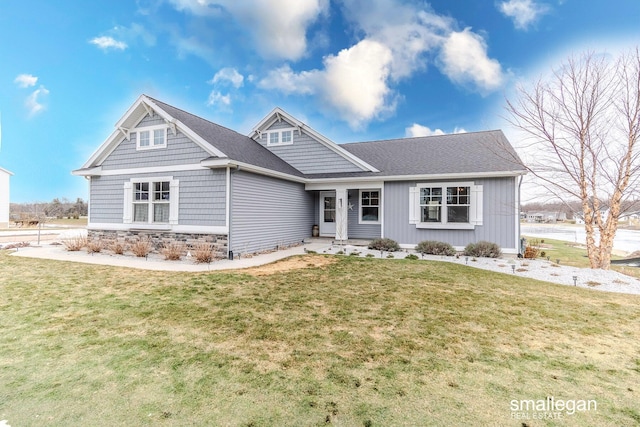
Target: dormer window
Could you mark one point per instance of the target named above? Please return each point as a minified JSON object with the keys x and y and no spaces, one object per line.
{"x":280,"y":137}
{"x":151,"y":137}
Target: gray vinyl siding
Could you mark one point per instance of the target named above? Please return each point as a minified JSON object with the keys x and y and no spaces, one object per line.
{"x":180,"y":150}
{"x":267,"y":212}
{"x":498,"y":223}
{"x":354,"y":229}
{"x":202,"y":196}
{"x":308,"y":155}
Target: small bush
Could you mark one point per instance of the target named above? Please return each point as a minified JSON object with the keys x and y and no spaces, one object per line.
{"x":385,"y":244}
{"x":141,"y":247}
{"x":74,"y":244}
{"x":432,"y":247}
{"x":117,"y":247}
{"x":203,"y":252}
{"x":411,"y":257}
{"x":173,"y":251}
{"x":95,"y":246}
{"x":370,"y":255}
{"x":483,"y":249}
{"x":531,"y":252}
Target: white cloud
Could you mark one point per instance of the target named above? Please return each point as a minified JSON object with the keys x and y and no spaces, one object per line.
{"x":106,"y":43}
{"x":523,"y":12}
{"x":278,"y":27}
{"x":285,"y":80}
{"x":25,"y":80}
{"x":416,"y":130}
{"x":228,"y":75}
{"x":34,"y":101}
{"x":353,"y":83}
{"x":218,"y":99}
{"x":464,"y":60}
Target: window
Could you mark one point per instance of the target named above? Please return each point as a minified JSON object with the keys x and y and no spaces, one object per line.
{"x":151,"y":202}
{"x":446,"y":205}
{"x":370,"y":206}
{"x":152,"y":137}
{"x":280,"y":137}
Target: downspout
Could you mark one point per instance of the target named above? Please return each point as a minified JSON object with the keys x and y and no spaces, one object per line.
{"x":228,"y":210}
{"x":518,"y":236}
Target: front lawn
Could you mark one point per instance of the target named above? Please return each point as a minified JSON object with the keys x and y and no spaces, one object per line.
{"x":357,"y":342}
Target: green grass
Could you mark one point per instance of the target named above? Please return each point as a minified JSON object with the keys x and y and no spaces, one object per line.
{"x":575,"y":255}
{"x":360,"y":342}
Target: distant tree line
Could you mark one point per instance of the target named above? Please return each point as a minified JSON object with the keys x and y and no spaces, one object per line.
{"x":57,"y":208}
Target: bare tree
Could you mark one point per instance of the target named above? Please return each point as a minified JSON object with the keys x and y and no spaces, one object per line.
{"x":583,"y":122}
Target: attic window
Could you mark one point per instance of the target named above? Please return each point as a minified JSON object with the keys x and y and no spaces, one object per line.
{"x":151,"y":137}
{"x":280,"y":137}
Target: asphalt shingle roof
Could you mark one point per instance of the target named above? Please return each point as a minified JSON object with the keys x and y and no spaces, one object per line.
{"x":236,"y":146}
{"x":473,"y":152}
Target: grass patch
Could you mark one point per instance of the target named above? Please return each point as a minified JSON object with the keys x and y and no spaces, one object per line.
{"x":355,"y":341}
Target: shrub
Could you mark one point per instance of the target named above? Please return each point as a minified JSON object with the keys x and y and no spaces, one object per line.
{"x":95,"y":246}
{"x":385,"y":244}
{"x":531,"y":252}
{"x":483,"y":249}
{"x":117,"y":247}
{"x":203,"y":252}
{"x":173,"y":251}
{"x":141,"y":247}
{"x":74,"y":244}
{"x":411,"y":256}
{"x":431,"y":247}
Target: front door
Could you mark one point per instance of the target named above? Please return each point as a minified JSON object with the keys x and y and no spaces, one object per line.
{"x":328,"y":213}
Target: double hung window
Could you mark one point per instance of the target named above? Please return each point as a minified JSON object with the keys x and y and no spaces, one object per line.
{"x":446,"y":205}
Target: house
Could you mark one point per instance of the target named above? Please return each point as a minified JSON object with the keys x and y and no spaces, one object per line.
{"x":4,"y":197}
{"x":167,"y":174}
{"x":546,"y":216}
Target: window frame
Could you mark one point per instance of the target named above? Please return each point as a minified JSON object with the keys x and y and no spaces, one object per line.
{"x":145,"y":192}
{"x":361,"y":220}
{"x":474,"y":205}
{"x":279,"y":133}
{"x":151,"y":130}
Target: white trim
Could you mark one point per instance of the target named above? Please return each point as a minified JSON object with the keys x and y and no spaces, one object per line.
{"x":379,"y":206}
{"x":227,"y":214}
{"x":194,"y":229}
{"x":313,"y":186}
{"x":279,"y":132}
{"x":444,"y":224}
{"x":451,"y":176}
{"x":151,"y":130}
{"x":382,"y":211}
{"x":132,"y":171}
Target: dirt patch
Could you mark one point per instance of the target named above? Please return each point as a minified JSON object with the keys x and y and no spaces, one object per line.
{"x":293,"y":263}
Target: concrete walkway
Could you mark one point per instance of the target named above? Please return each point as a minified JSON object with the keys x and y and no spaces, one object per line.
{"x":158,"y":263}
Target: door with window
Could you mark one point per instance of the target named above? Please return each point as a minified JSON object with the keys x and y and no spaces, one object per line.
{"x":328,"y":213}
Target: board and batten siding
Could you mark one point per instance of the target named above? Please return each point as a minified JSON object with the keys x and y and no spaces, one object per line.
{"x":180,"y":150}
{"x":202,"y":195}
{"x":307,"y":154}
{"x":498,"y":222}
{"x":268,"y":212}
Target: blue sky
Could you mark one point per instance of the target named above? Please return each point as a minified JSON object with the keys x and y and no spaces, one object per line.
{"x":353,"y":70}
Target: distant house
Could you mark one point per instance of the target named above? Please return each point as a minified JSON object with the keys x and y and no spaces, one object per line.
{"x":4,"y":197}
{"x":167,"y":174}
{"x":545,"y":216}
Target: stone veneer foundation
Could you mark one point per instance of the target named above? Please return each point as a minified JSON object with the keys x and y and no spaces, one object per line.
{"x":161,"y":238}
